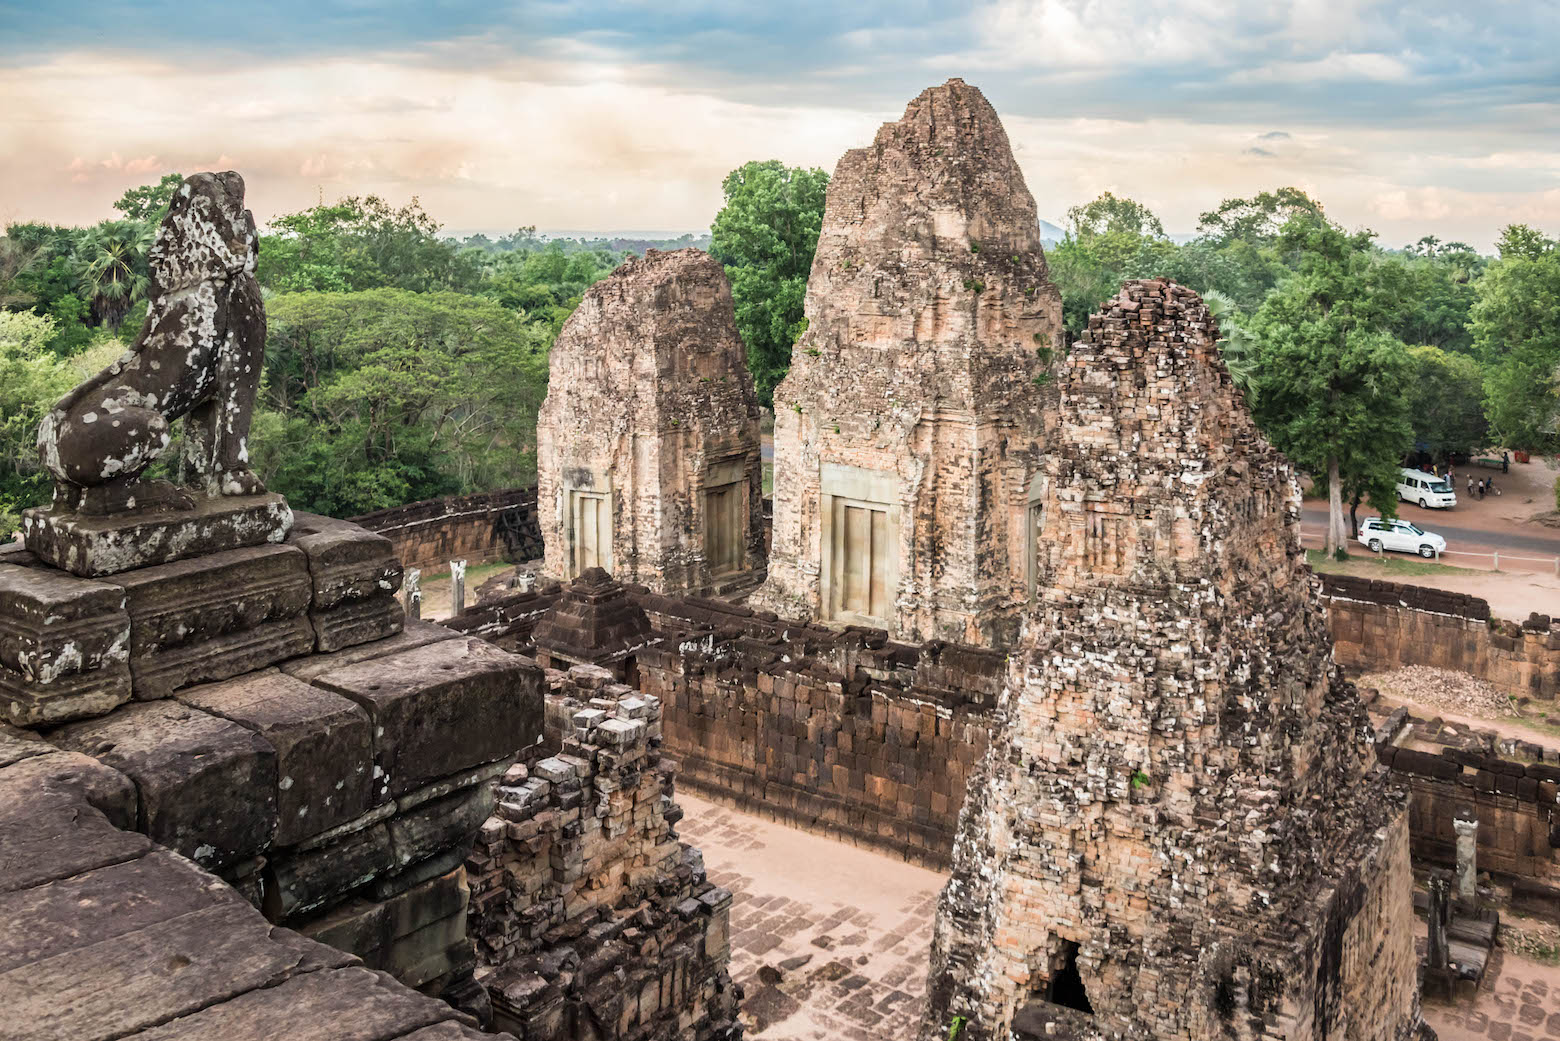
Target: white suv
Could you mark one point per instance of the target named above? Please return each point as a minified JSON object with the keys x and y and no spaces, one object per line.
{"x":1400,"y":535}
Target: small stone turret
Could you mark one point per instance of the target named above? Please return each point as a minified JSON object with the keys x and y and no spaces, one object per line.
{"x":908,"y":428}
{"x":648,"y":462}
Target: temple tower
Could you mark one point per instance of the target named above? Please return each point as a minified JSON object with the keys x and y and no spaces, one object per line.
{"x":908,"y":428}
{"x":648,"y":462}
{"x":1179,"y":830}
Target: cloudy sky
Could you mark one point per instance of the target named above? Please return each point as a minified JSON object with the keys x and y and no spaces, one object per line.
{"x":1409,"y":118}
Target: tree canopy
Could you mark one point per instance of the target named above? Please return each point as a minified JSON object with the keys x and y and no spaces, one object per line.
{"x":765,"y":236}
{"x":1516,"y":334}
{"x":1332,"y":384}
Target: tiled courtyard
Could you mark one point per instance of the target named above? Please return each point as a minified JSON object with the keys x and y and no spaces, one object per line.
{"x":1518,"y":1001}
{"x":829,"y":941}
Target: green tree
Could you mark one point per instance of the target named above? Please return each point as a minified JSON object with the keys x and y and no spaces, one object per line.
{"x":383,"y":397}
{"x":111,"y":268}
{"x":765,"y":236}
{"x":1259,"y":220}
{"x":32,"y":379}
{"x":1332,"y":386}
{"x":1111,"y":214}
{"x":1446,"y":401}
{"x":1516,"y":333}
{"x":1236,"y":346}
{"x":148,"y":204}
{"x":362,"y":243}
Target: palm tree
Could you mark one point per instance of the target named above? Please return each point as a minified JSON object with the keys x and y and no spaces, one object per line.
{"x":111,"y":268}
{"x":1236,"y":345}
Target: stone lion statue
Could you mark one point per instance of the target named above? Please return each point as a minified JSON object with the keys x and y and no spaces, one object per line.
{"x":198,"y":356}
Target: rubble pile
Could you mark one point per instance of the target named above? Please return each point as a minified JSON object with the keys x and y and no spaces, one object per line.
{"x":591,"y":918}
{"x":1427,"y":687}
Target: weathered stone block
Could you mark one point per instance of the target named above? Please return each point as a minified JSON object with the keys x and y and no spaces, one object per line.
{"x":299,"y":881}
{"x":167,"y":970}
{"x":433,"y":827}
{"x":217,"y":616}
{"x":64,"y":646}
{"x":16,"y":745}
{"x":354,"y":576}
{"x":98,"y":785}
{"x":443,"y":707}
{"x":323,"y":741}
{"x":188,"y":765}
{"x":351,"y":1002}
{"x":413,"y":634}
{"x":95,"y":545}
{"x":104,"y":903}
{"x":47,"y":834}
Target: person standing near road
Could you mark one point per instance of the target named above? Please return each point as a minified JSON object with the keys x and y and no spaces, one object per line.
{"x":1490,"y":486}
{"x":1505,"y":462}
{"x":1481,"y":487}
{"x":1470,"y":486}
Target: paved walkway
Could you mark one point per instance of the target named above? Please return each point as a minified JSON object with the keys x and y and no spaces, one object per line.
{"x":829,"y":941}
{"x":1518,"y":1001}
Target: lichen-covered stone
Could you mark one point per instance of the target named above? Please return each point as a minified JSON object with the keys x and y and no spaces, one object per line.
{"x":909,"y":424}
{"x":648,"y":459}
{"x":95,"y":545}
{"x":64,"y":646}
{"x":1179,"y":825}
{"x":198,"y":355}
{"x":216,"y":616}
{"x":355,"y":576}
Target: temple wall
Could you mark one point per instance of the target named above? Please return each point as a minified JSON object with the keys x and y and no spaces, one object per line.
{"x":1510,"y":786}
{"x":878,"y":753}
{"x":1385,"y":625}
{"x":478,"y":529}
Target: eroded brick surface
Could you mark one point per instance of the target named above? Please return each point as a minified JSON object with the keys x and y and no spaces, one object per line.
{"x":647,"y":445}
{"x":1180,"y":822}
{"x":908,"y":425}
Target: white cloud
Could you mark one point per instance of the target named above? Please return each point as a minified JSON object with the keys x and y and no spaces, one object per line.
{"x":1335,"y":67}
{"x":500,"y":142}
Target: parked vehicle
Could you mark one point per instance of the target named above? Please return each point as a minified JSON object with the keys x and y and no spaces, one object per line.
{"x":1425,"y":489}
{"x":1401,"y":536}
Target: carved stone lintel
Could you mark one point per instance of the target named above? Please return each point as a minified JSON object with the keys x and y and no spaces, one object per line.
{"x":93,"y":546}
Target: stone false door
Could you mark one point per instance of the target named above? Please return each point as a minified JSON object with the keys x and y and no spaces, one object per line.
{"x":590,"y":531}
{"x":860,"y":572}
{"x":725,"y":517}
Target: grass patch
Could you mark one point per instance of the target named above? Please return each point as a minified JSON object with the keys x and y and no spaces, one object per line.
{"x":769,"y":478}
{"x":1363,"y":560}
{"x":474,"y":574}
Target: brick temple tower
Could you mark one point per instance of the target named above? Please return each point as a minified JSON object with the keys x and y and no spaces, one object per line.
{"x":907,"y":430}
{"x":648,"y":459}
{"x":1179,"y":830}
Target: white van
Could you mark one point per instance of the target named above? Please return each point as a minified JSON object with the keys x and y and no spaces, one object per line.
{"x":1425,"y":490}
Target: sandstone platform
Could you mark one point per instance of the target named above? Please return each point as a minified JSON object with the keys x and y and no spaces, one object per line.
{"x":92,"y":545}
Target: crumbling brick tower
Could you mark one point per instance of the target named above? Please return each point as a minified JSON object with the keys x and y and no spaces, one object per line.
{"x":1179,"y":830}
{"x":648,"y":459}
{"x":907,"y":430}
